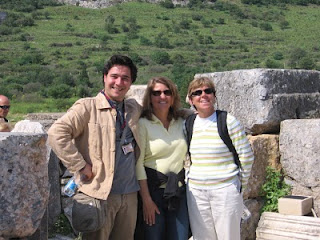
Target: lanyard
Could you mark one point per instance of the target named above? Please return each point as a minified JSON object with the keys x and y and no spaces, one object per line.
{"x":123,"y":122}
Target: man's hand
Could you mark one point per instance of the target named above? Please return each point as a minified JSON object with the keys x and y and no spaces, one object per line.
{"x":86,"y":173}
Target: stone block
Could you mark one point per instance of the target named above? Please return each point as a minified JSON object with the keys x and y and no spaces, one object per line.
{"x":248,"y":228}
{"x":54,"y":206}
{"x":262,"y":98}
{"x":300,"y":156}
{"x":26,"y":126}
{"x":276,"y":226}
{"x":24,"y":187}
{"x":295,"y":205}
{"x":136,"y":92}
{"x":45,"y":119}
{"x":266,"y":153}
{"x":299,"y":149}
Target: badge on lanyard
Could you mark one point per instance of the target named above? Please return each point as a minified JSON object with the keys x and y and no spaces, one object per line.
{"x":128,"y":148}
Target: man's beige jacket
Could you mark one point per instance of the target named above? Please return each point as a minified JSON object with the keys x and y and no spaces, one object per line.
{"x":87,"y":133}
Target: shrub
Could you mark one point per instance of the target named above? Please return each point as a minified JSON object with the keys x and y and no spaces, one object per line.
{"x":284,"y":24}
{"x":205,"y":23}
{"x":5,"y":30}
{"x":124,"y":27}
{"x":277,"y":56}
{"x":273,"y":188}
{"x":109,"y":25}
{"x":60,"y":91}
{"x":295,"y":56}
{"x":243,"y":47}
{"x":32,"y":87}
{"x":221,"y":21}
{"x":205,"y":39}
{"x":184,"y":24}
{"x":196,"y":17}
{"x":145,"y":41}
{"x":272,"y":64}
{"x":167,"y":4}
{"x":161,"y":57}
{"x":69,"y":28}
{"x":307,"y":63}
{"x":30,"y":58}
{"x":254,"y":23}
{"x":137,"y":59}
{"x":83,"y":91}
{"x":65,"y":78}
{"x":162,"y":42}
{"x":266,"y":26}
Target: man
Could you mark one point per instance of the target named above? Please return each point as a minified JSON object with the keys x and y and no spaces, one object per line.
{"x":4,"y":108}
{"x":97,"y":138}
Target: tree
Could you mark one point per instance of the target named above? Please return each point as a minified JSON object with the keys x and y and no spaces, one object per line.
{"x":60,"y":91}
{"x":295,"y":56}
{"x":307,"y":63}
{"x":161,"y":57}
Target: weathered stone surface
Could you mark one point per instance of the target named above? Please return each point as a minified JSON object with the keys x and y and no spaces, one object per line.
{"x":46,"y":119}
{"x":26,"y":126}
{"x":107,"y":3}
{"x":248,"y":228}
{"x":287,"y":227}
{"x":262,"y":98}
{"x":298,"y":189}
{"x":300,"y":156}
{"x":24,"y":188}
{"x":54,"y":206}
{"x":266,"y":153}
{"x":137,"y":92}
{"x":300,"y":152}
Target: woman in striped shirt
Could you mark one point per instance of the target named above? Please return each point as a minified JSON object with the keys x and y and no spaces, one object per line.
{"x":214,"y":181}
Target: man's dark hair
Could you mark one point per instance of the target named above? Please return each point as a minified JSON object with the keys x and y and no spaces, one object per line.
{"x":123,"y":61}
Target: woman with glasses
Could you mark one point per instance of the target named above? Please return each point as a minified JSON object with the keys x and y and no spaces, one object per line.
{"x":214,"y":180}
{"x":160,"y":167}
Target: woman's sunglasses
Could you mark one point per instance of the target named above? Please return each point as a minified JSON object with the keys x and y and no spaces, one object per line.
{"x":206,"y":91}
{"x":158,"y":93}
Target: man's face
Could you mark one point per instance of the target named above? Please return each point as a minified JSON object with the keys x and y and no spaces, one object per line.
{"x":4,"y":103}
{"x":117,"y":82}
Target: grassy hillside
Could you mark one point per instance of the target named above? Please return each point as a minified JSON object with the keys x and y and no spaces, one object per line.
{"x":57,"y":52}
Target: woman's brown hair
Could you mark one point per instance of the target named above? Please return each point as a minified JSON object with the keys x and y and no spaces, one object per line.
{"x":147,"y":110}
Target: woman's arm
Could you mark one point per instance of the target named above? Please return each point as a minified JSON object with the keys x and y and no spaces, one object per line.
{"x":149,"y":207}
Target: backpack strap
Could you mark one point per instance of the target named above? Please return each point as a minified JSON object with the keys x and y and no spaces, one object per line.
{"x":224,"y":135}
{"x":222,"y":130}
{"x":189,"y":129}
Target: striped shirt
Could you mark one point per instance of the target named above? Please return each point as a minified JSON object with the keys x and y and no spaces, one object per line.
{"x":213,"y":165}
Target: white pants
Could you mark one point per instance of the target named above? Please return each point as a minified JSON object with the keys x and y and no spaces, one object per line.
{"x":215,"y":214}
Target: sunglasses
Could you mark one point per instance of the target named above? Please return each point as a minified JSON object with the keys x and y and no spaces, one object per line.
{"x":158,"y":93}
{"x":5,"y":107}
{"x":206,"y":91}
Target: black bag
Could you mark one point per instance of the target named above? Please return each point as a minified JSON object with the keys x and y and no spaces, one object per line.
{"x":88,"y":214}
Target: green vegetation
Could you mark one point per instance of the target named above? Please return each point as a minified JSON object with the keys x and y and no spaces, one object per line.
{"x":273,"y":189}
{"x":61,"y":226}
{"x":52,"y":52}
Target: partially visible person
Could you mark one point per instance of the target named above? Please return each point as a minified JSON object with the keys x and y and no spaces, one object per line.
{"x":214,"y":180}
{"x":98,"y":138}
{"x":5,"y":127}
{"x":4,"y":108}
{"x":160,"y":167}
